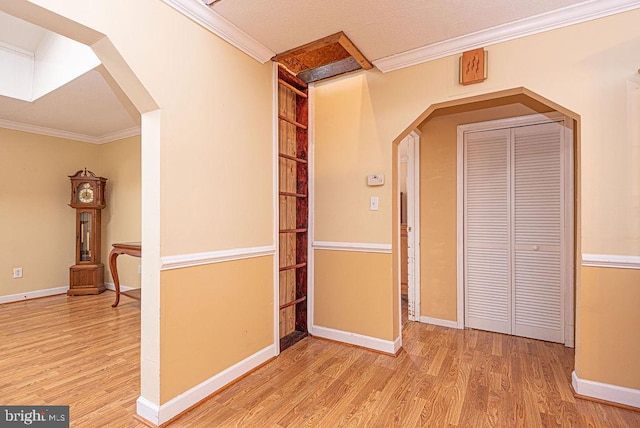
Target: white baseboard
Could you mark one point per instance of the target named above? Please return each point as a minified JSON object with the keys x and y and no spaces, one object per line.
{"x":112,"y":287}
{"x":148,"y":410}
{"x":439,"y":321}
{"x":33,"y":294}
{"x":605,"y":391}
{"x":159,"y":415}
{"x":386,"y":346}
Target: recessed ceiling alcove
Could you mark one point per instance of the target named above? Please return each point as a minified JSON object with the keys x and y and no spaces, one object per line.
{"x":328,"y":57}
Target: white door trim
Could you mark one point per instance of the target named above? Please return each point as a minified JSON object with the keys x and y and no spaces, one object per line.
{"x":568,"y":269}
{"x":413,"y":225}
{"x":311,"y":94}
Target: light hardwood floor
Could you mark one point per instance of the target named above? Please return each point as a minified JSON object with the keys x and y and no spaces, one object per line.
{"x":79,"y":351}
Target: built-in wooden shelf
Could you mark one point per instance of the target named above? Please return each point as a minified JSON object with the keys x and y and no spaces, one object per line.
{"x":293,"y":158}
{"x":293,"y":195}
{"x":293,"y":186}
{"x":295,"y":302}
{"x":293,"y":230}
{"x":293,"y":122}
{"x":290,"y":267}
{"x":293,"y":88}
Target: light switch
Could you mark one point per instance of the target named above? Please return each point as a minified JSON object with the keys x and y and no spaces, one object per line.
{"x":373,"y":203}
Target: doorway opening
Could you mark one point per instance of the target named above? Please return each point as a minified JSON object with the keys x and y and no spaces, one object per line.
{"x":125,"y":83}
{"x":440,"y":267}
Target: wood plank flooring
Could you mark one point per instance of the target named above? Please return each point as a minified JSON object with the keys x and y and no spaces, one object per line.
{"x":79,"y":351}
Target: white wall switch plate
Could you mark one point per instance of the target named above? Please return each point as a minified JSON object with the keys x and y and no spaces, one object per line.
{"x":373,"y":203}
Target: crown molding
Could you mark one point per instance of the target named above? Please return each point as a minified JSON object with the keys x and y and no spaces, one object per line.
{"x":15,"y":49}
{"x":563,"y":17}
{"x":202,"y":14}
{"x":59,"y":133}
{"x":119,"y":135}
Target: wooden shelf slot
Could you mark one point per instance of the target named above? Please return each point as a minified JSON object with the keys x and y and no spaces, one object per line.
{"x":293,"y":88}
{"x":293,"y":122}
{"x":293,"y":158}
{"x":299,"y":265}
{"x":293,"y":230}
{"x":295,"y":302}
{"x":294,"y":195}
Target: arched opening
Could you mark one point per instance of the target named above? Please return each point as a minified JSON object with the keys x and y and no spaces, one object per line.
{"x":440,"y":174}
{"x":117,"y":71}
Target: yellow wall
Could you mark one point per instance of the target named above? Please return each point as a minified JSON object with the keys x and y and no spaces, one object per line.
{"x":608,"y":333}
{"x":349,"y":288}
{"x":36,"y":224}
{"x":198,"y":341}
{"x":586,"y":68}
{"x":120,"y":164}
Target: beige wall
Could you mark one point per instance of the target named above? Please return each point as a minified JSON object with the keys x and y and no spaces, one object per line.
{"x":586,"y":68}
{"x":608,"y":331}
{"x":197,"y":341}
{"x":352,"y":293}
{"x":36,"y":224}
{"x":40,"y":230}
{"x":120,"y":164}
{"x":346,"y":151}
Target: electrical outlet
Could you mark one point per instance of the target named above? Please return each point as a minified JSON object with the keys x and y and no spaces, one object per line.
{"x":17,"y":273}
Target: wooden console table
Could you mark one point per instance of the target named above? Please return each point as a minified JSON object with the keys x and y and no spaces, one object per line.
{"x":130,"y":248}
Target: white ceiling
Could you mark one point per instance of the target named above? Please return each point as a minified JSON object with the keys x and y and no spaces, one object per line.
{"x":392,"y":34}
{"x":379,"y":28}
{"x":85,"y":109}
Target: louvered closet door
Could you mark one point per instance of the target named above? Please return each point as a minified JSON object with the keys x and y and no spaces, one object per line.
{"x":513,"y":228}
{"x":487,"y":237}
{"x":538,"y":222}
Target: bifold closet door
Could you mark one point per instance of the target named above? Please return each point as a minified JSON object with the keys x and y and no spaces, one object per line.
{"x":513,"y":227}
{"x":486,"y":241}
{"x":538,"y":202}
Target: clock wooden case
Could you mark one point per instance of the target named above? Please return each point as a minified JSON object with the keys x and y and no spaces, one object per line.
{"x":86,"y":276}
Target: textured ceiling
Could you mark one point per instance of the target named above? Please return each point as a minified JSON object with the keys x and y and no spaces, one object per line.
{"x":87,"y":106}
{"x":379,"y":28}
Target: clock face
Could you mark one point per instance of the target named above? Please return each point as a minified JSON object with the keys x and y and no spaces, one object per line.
{"x":85,"y":193}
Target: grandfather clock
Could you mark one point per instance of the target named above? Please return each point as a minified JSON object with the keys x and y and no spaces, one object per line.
{"x":87,"y":197}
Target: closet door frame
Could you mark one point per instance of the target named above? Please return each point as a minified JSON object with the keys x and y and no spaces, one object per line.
{"x":568,"y":249}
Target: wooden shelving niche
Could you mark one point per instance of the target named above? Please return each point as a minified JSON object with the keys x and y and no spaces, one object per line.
{"x":294,"y":206}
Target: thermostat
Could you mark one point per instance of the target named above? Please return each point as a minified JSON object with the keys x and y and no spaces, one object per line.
{"x":375,"y":180}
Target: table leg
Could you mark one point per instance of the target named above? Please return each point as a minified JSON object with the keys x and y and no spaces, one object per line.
{"x":113,"y":266}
